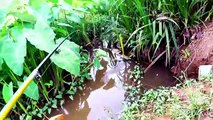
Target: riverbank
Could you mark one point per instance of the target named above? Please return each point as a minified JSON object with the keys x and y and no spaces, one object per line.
{"x":190,"y":100}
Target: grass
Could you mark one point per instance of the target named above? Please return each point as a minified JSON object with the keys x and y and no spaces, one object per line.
{"x":153,"y":25}
{"x":189,"y":100}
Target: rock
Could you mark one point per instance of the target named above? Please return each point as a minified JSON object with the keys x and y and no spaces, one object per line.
{"x":204,"y":71}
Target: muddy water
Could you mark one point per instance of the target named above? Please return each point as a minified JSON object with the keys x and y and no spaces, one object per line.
{"x":102,"y":97}
{"x":158,"y":75}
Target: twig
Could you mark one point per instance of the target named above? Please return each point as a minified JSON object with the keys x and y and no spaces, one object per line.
{"x":191,"y":61}
{"x":154,"y":61}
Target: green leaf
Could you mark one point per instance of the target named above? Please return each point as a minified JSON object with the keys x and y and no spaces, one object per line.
{"x":42,"y":36}
{"x":68,"y":58}
{"x":100,"y":53}
{"x":61,"y":102}
{"x":25,"y":16}
{"x":49,"y":110}
{"x":71,"y":97}
{"x":97,"y":63}
{"x":49,"y":84}
{"x":173,"y":38}
{"x":59,"y":96}
{"x":13,"y":50}
{"x":54,"y":105}
{"x":74,"y":17}
{"x":31,"y":91}
{"x":53,"y":1}
{"x":36,"y":3}
{"x":7,"y":91}
{"x":43,"y":12}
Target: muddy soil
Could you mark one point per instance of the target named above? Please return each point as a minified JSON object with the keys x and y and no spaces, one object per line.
{"x":198,"y":52}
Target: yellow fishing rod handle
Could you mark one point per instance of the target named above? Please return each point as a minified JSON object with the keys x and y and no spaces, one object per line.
{"x":17,"y":95}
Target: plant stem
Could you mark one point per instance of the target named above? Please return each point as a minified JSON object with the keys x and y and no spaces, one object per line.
{"x":22,"y":107}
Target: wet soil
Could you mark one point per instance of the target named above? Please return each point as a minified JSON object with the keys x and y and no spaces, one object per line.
{"x":102,"y":97}
{"x":200,"y":51}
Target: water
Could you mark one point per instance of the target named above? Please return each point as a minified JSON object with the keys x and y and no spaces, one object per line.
{"x":102,"y":97}
{"x":158,"y":75}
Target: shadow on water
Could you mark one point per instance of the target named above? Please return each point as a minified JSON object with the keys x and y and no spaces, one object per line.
{"x":158,"y":75}
{"x":102,"y":97}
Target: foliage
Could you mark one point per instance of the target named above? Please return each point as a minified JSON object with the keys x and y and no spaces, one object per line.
{"x":31,"y":91}
{"x":29,"y":30}
{"x":7,"y":91}
{"x":133,"y":90}
{"x":154,"y":24}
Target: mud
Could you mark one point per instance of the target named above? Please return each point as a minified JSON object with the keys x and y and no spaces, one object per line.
{"x":200,"y":52}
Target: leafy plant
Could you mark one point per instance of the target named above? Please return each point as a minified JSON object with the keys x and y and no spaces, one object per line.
{"x":31,"y":30}
{"x":133,"y":90}
{"x":7,"y":91}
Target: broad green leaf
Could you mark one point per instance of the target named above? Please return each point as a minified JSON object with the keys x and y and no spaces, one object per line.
{"x":68,"y":58}
{"x":42,"y":36}
{"x":25,"y":16}
{"x":74,"y":17}
{"x":13,"y":50}
{"x":43,"y":12}
{"x":31,"y":91}
{"x":7,"y":91}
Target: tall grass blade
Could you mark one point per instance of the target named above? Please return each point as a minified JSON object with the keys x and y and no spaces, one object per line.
{"x":173,"y":38}
{"x":121,"y":44}
{"x":167,"y":43}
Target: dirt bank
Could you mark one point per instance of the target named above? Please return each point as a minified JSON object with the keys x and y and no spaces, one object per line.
{"x":198,"y":52}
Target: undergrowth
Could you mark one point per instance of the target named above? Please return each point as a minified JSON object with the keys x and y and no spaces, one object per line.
{"x":190,"y":100}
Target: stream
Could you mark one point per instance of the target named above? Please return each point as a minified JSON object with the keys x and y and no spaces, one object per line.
{"x":102,"y":97}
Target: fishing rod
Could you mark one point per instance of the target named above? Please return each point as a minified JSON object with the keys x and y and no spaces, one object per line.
{"x":7,"y":108}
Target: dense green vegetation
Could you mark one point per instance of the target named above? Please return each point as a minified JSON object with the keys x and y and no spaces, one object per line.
{"x":30,"y":30}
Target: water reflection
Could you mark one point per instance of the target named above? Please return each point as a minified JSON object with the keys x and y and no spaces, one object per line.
{"x":102,"y":97}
